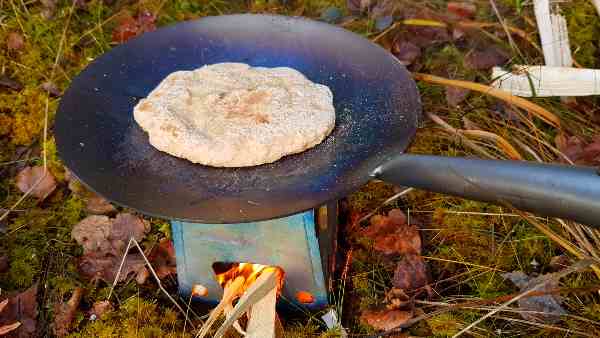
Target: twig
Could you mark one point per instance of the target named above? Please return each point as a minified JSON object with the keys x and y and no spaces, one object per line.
{"x":230,"y":292}
{"x":436,"y":119}
{"x":266,"y":282}
{"x":137,"y":245}
{"x":546,"y":326}
{"x":575,"y":267}
{"x":512,"y":43}
{"x":499,"y":140}
{"x":45,"y":132}
{"x":463,"y":263}
{"x":386,"y":202}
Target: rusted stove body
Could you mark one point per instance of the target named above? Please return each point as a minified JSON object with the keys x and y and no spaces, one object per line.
{"x":303,"y":245}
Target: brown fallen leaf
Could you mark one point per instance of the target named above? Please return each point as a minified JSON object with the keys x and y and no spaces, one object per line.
{"x":163,"y":259}
{"x":51,"y":88}
{"x":7,"y":82}
{"x":105,"y":235}
{"x":104,"y":241}
{"x":27,"y":178}
{"x":383,"y":8}
{"x":130,"y":27}
{"x":560,"y":262}
{"x":15,"y":41}
{"x":101,"y":308}
{"x":386,"y":319}
{"x":64,"y":313}
{"x":411,"y":273}
{"x":21,"y":308}
{"x":547,"y":307}
{"x":98,"y":266}
{"x":405,"y":51}
{"x":97,"y":205}
{"x":4,"y":264}
{"x":353,"y":6}
{"x":425,"y":36}
{"x":360,"y":6}
{"x":455,"y":95}
{"x":126,"y":226}
{"x":578,"y":151}
{"x":397,"y":298}
{"x":48,"y":8}
{"x":465,"y":10}
{"x":93,"y":234}
{"x":485,"y":59}
{"x":392,"y":235}
{"x":6,"y":329}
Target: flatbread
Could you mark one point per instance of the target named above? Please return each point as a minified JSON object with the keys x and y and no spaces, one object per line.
{"x":234,"y":115}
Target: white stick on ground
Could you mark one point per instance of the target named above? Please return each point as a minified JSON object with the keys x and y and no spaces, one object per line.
{"x":236,"y":325}
{"x":230,"y":291}
{"x":258,"y":290}
{"x":262,"y":317}
{"x":544,"y":81}
{"x":553,"y":35}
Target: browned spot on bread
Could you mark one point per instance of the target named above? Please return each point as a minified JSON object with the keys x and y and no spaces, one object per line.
{"x":247,"y":106}
{"x":145,"y":105}
{"x":171,"y":129}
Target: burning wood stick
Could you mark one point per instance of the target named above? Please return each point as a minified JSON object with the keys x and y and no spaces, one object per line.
{"x":264,"y":284}
{"x":236,"y":325}
{"x":263,"y":316}
{"x":230,"y":292}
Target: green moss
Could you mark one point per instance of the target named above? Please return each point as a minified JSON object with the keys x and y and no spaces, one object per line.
{"x":136,"y":317}
{"x":584,"y":29}
{"x":444,"y":325}
{"x":54,"y":163}
{"x":5,"y":124}
{"x":301,"y":330}
{"x":370,"y":196}
{"x":24,"y":266}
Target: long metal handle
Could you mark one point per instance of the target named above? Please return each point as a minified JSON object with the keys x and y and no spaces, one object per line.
{"x":569,"y":192}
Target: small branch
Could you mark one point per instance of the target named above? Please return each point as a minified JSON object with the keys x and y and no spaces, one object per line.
{"x":152,"y":271}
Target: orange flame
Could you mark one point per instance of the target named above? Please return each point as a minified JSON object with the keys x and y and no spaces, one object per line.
{"x":250,"y":272}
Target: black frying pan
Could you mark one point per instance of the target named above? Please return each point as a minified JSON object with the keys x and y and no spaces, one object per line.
{"x":377,"y":112}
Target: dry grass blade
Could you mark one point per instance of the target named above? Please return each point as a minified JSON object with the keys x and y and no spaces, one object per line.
{"x":45,"y":135}
{"x":386,"y":202}
{"x":512,"y":43}
{"x":546,"y":326}
{"x":572,"y":249}
{"x":516,"y":31}
{"x":463,"y":263}
{"x":436,"y":119}
{"x":133,"y":241}
{"x":531,"y":107}
{"x":575,"y":267}
{"x":500,"y":141}
{"x":9,"y":328}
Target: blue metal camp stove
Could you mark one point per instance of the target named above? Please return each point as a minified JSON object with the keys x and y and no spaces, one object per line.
{"x":303,"y":245}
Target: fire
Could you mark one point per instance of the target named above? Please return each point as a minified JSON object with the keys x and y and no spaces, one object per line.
{"x":249,"y":271}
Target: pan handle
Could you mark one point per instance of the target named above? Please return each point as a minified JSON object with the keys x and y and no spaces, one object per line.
{"x":570,"y":192}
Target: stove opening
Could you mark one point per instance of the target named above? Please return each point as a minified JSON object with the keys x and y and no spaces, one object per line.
{"x":246,"y":273}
